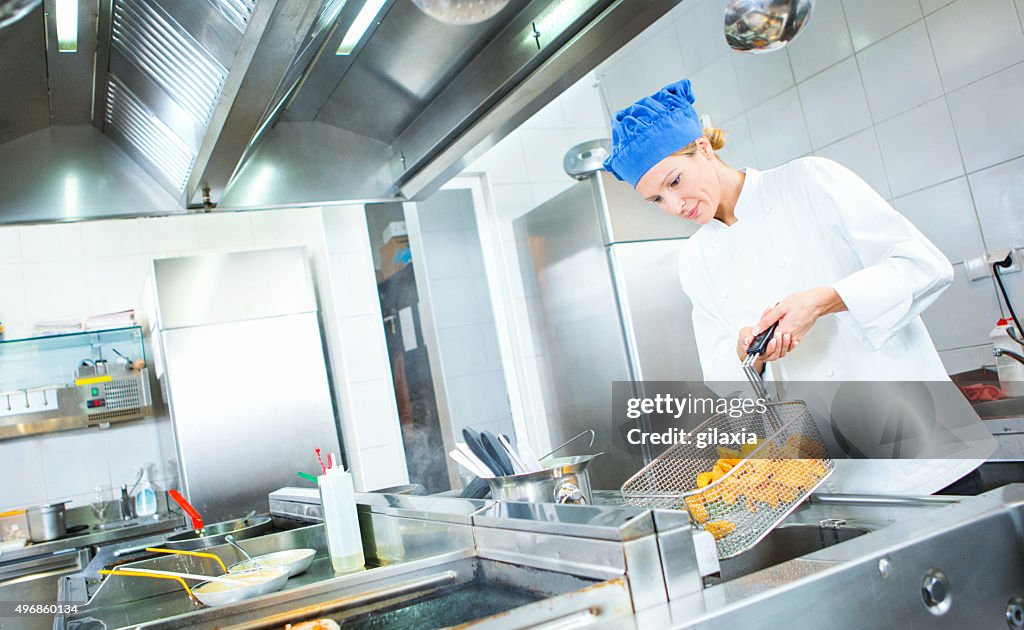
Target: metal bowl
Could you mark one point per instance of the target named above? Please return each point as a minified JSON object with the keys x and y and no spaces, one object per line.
{"x":295,"y":560}
{"x":760,"y":26}
{"x":216,"y":533}
{"x":564,"y":480}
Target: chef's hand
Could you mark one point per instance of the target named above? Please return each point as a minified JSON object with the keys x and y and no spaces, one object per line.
{"x":796,"y":315}
{"x":777,"y":348}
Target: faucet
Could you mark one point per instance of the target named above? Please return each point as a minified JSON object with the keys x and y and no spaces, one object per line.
{"x":998,"y":352}
{"x":126,"y":504}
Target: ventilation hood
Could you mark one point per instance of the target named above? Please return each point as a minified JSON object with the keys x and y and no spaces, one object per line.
{"x":174,"y":105}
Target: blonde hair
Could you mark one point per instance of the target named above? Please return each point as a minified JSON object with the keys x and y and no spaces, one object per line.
{"x":714,"y":136}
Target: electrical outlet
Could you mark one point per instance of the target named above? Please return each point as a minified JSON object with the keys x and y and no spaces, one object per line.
{"x":980,"y":267}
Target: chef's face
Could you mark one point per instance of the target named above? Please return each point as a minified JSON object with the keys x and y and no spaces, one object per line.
{"x":684,"y":185}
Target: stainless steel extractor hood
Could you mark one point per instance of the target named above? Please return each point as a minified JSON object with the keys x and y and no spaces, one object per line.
{"x":176,"y":104}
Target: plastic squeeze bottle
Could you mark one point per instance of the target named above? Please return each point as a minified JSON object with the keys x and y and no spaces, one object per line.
{"x":145,"y":497}
{"x":344,"y":542}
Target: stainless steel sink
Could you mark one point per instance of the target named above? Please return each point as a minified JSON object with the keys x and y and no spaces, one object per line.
{"x":782,"y":544}
{"x":1005,"y":408}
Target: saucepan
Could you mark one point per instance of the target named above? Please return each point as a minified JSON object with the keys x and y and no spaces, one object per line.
{"x":216,"y":533}
{"x":563,"y":480}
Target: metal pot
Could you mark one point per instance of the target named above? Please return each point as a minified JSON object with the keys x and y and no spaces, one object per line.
{"x":46,"y":522}
{"x":564,"y":480}
{"x":216,"y":533}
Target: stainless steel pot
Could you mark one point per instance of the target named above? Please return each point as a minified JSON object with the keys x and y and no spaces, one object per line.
{"x":46,"y":522}
{"x":216,"y":534}
{"x":564,"y":480}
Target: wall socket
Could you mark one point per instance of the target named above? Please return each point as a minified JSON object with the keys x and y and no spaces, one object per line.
{"x":980,"y":267}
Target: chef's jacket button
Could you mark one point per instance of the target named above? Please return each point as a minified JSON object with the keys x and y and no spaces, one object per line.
{"x":830,"y":373}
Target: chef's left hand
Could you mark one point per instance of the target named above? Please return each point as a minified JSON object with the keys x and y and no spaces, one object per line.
{"x":797,"y":313}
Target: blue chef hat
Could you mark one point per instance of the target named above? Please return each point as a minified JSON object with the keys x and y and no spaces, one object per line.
{"x":651,"y":129}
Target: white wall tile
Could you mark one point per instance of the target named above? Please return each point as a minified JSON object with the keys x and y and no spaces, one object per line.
{"x":549,"y":117}
{"x":999,"y":198}
{"x":664,"y":63}
{"x":111,"y":238}
{"x":544,"y":150}
{"x":374,"y":414}
{"x":974,"y":38}
{"x":71,"y":462}
{"x":623,"y":82}
{"x":21,"y":467}
{"x":872,"y":20}
{"x":824,"y":41}
{"x":345,"y":229}
{"x":385,"y":467}
{"x":59,"y":241}
{"x":930,"y":6}
{"x":129,"y":445}
{"x":354,"y":285}
{"x":446,"y":254}
{"x":899,"y":72}
{"x":987,"y":118}
{"x":442,"y":214}
{"x":364,"y":351}
{"x":919,"y":148}
{"x":582,"y":105}
{"x":545,"y":191}
{"x":700,"y":34}
{"x":463,"y":351}
{"x":945,"y":214}
{"x":10,"y":245}
{"x":511,"y":201}
{"x":964,"y":314}
{"x":577,"y":135}
{"x":55,"y":290}
{"x":834,"y":104}
{"x":778,"y":129}
{"x":169,"y":235}
{"x":229,"y":230}
{"x":860,"y":154}
{"x":716,"y":90}
{"x":115,"y":283}
{"x":738,"y":151}
{"x":761,"y":77}
{"x":12,"y":296}
{"x":505,"y":162}
{"x":297,"y":226}
{"x":470,"y":399}
{"x":967,"y":359}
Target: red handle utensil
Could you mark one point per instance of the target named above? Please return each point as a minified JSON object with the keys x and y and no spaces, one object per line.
{"x":197,"y":521}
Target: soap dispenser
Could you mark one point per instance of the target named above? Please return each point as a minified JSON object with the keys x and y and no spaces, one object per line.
{"x":145,"y":496}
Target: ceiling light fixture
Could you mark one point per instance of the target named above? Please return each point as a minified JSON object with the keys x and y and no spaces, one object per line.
{"x":359,"y":26}
{"x":67,"y":25}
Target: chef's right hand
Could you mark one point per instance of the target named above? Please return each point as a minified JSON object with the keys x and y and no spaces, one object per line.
{"x":777,"y":347}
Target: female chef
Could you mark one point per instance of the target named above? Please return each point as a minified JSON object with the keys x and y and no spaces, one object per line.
{"x":808,"y":245}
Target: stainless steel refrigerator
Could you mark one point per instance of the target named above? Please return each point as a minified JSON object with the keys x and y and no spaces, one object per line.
{"x":600,"y":273}
{"x":242,"y":370}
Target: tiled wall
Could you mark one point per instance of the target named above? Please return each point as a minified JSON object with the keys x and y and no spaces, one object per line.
{"x":74,"y":270}
{"x":921,"y":99}
{"x":463,"y":322}
{"x":523,"y":171}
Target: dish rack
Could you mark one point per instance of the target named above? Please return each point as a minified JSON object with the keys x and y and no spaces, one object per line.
{"x":756,"y":486}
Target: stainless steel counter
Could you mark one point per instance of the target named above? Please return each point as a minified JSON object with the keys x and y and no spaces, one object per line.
{"x":837,"y":562}
{"x":93,"y":538}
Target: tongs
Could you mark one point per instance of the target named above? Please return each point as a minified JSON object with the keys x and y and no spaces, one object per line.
{"x":756,"y":349}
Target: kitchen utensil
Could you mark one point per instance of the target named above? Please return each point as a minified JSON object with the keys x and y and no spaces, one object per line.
{"x":570,"y":441}
{"x":563,"y":480}
{"x":469,"y":464}
{"x":463,"y":448}
{"x":475,"y":489}
{"x":765,"y":481}
{"x":214,"y":534}
{"x":497,"y":451}
{"x":197,"y":554}
{"x":756,"y":349}
{"x":231,"y":541}
{"x":241,"y":522}
{"x":306,"y":476}
{"x":295,"y":560}
{"x":193,"y":514}
{"x":529,"y":457}
{"x":46,"y":522}
{"x":517,"y":462}
{"x":242,"y":585}
{"x":476,"y":446}
{"x":760,"y":26}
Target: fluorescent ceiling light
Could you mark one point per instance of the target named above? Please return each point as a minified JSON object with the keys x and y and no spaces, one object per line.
{"x":359,"y":26}
{"x":67,"y":25}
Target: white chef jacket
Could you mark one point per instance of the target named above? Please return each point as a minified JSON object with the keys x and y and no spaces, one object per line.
{"x":811,"y":223}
